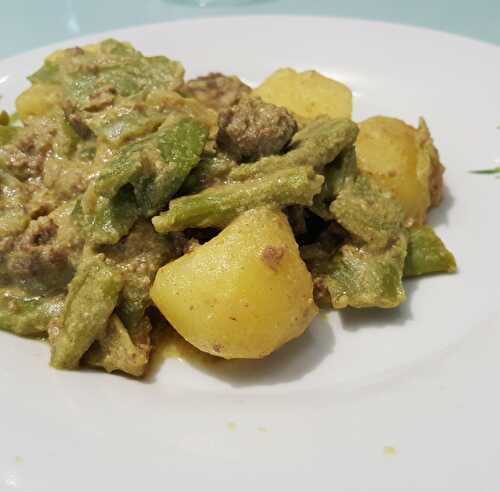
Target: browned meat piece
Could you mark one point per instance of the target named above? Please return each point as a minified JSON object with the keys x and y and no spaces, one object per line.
{"x":215,"y":90}
{"x":272,"y":256}
{"x":46,"y":253}
{"x":25,"y":158}
{"x":253,"y":129}
{"x":61,"y":181}
{"x":41,"y":138}
{"x":34,"y":250}
{"x":78,"y":125}
{"x":66,"y":178}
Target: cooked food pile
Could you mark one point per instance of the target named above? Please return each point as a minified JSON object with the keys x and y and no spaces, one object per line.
{"x":127,"y":191}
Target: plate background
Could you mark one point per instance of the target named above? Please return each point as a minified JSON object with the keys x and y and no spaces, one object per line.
{"x":28,"y":24}
{"x":322,"y":410}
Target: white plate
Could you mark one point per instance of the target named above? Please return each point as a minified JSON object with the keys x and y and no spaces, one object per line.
{"x":324,"y":412}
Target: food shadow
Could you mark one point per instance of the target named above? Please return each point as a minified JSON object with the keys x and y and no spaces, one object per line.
{"x":290,"y":363}
{"x":358,"y":319}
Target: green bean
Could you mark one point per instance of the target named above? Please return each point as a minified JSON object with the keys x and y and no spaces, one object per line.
{"x":370,"y":215}
{"x":142,"y":179}
{"x":338,"y":175}
{"x":427,"y":253}
{"x":27,"y":315}
{"x":217,"y":206}
{"x":7,"y":134}
{"x":115,"y":350}
{"x":180,"y":145}
{"x":210,"y":171}
{"x":361,"y":278}
{"x":13,"y":195}
{"x":106,"y":220}
{"x":92,"y":297}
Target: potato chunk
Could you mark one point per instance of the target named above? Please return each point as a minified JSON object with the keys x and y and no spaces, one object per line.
{"x":402,"y":160}
{"x":244,"y":293}
{"x":307,"y":94}
{"x":38,"y":100}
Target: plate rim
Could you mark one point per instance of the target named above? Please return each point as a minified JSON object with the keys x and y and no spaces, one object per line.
{"x":241,"y":18}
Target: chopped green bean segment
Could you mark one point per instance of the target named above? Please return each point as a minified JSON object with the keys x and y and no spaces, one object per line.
{"x":13,"y":217}
{"x":7,"y":133}
{"x":120,"y":171}
{"x":210,"y":171}
{"x":217,"y":206}
{"x":115,"y":350}
{"x":369,"y":214}
{"x":106,"y":220}
{"x":338,"y":175}
{"x":180,"y":146}
{"x":122,"y":123}
{"x":142,"y":179}
{"x":360,"y":278}
{"x":27,"y":315}
{"x":91,"y":78}
{"x":138,"y":257}
{"x":427,"y":253}
{"x":343,"y":172}
{"x":92,"y":297}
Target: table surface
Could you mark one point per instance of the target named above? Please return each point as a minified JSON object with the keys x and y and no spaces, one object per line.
{"x":27,"y":24}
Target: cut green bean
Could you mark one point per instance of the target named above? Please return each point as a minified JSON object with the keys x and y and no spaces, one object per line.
{"x":27,"y":315}
{"x":115,"y":350}
{"x":106,"y":220}
{"x":217,"y":206}
{"x":180,"y":145}
{"x":92,"y":297}
{"x":338,"y":175}
{"x":360,"y":278}
{"x":210,"y":171}
{"x":7,"y":133}
{"x":369,"y":214}
{"x":142,"y":179}
{"x":13,"y":195}
{"x":427,"y":253}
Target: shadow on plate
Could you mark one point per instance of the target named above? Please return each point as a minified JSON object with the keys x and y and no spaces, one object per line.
{"x":358,"y":319}
{"x":290,"y":363}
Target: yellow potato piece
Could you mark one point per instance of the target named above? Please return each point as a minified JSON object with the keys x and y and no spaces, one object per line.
{"x":244,"y":293}
{"x":307,"y":94}
{"x":38,"y":100}
{"x":403,"y":160}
